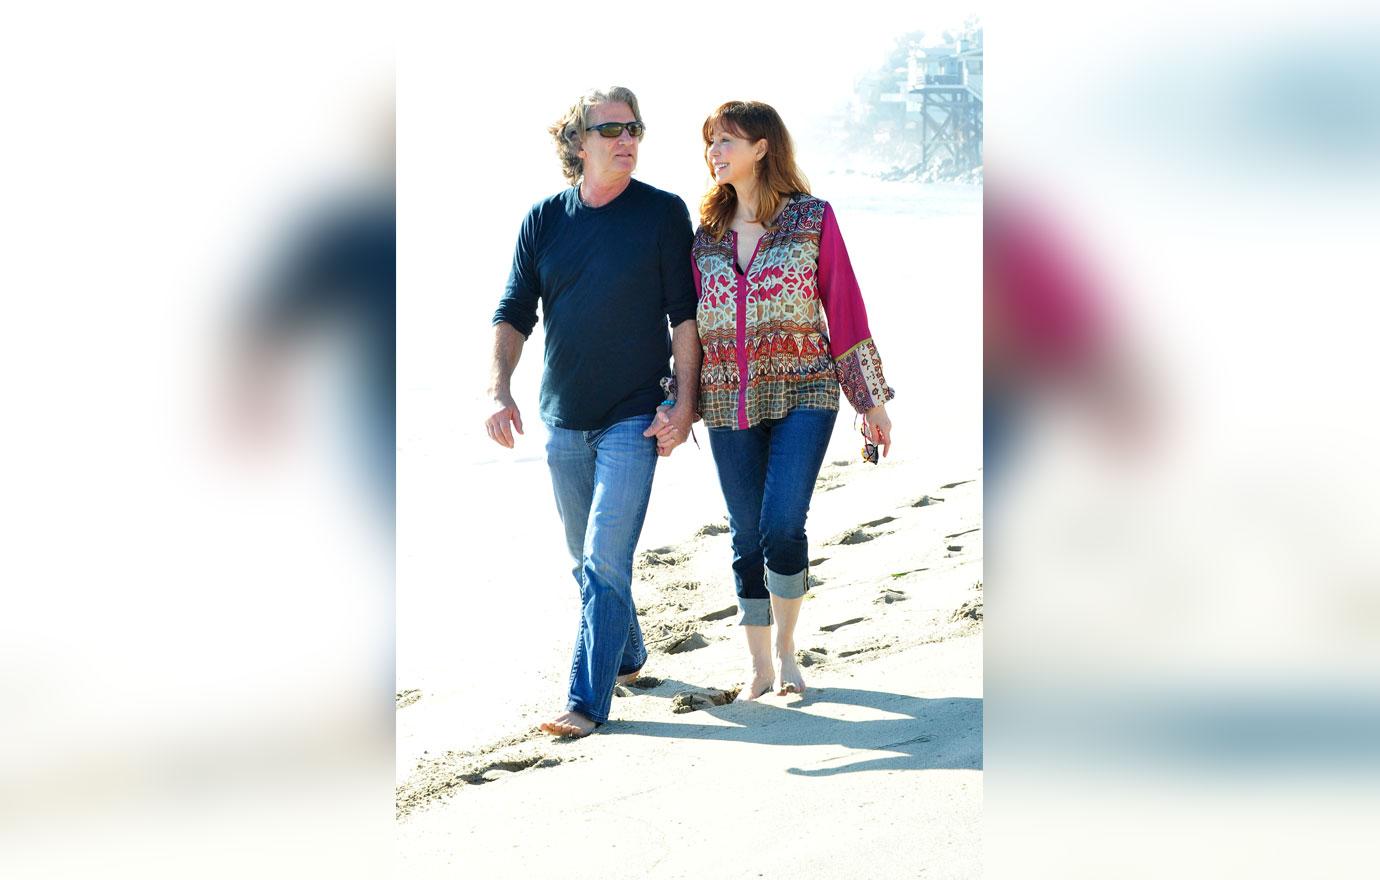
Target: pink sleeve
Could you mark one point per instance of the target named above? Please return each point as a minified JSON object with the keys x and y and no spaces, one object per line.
{"x":857,"y":363}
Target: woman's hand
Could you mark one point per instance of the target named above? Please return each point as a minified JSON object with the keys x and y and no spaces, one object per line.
{"x":671,"y":427}
{"x":877,"y":427}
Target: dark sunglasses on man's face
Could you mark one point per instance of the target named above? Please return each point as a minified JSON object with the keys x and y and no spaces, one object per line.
{"x":614,"y":129}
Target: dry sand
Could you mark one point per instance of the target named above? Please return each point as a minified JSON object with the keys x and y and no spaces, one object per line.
{"x":875,"y":772}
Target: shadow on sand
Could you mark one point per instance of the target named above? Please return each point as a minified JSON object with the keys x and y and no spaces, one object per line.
{"x":931,"y":733}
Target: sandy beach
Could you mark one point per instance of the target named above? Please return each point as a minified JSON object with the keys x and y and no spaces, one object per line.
{"x":876,"y":771}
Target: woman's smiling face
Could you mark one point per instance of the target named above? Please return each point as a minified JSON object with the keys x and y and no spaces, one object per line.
{"x":732,"y":157}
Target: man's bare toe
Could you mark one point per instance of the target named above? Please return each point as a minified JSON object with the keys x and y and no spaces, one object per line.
{"x":569,"y":724}
{"x":555,"y":729}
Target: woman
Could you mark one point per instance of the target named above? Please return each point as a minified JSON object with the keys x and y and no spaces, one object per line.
{"x":782,"y":326}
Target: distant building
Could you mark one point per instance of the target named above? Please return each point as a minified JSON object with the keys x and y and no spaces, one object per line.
{"x":934,"y":66}
{"x":970,"y":54}
{"x":942,"y":96}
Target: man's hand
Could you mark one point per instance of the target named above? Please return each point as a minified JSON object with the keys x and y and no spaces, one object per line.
{"x":502,"y":423}
{"x":671,"y":427}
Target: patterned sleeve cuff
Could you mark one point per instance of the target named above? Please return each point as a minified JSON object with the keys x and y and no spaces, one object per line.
{"x":860,"y":376}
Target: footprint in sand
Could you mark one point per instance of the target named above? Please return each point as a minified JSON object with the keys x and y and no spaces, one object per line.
{"x":661,"y":556}
{"x":433,"y":778}
{"x":970,"y":610}
{"x":680,"y":585}
{"x":695,"y":699}
{"x":890,"y":596}
{"x":408,"y":697}
{"x":496,"y":774}
{"x":926,"y":501}
{"x":834,"y":626}
{"x":500,"y":769}
{"x":718,"y":528}
{"x":830,"y":477}
{"x":673,"y":638}
{"x":811,"y":657}
{"x":661,"y":609}
{"x":863,"y":533}
{"x":853,"y":536}
{"x":864,"y":649}
{"x":692,"y":642}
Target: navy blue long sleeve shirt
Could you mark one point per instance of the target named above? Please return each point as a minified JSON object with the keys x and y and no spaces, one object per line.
{"x":608,"y":279}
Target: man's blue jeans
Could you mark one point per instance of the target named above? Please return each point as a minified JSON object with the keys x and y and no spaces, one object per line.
{"x":603,"y":480}
{"x":767,"y":473}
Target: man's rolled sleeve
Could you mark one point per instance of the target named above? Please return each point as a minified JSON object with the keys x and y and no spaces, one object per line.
{"x":677,"y":280}
{"x":519,"y":304}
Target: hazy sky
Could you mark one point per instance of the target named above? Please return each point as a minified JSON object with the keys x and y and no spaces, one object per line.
{"x":517,"y":75}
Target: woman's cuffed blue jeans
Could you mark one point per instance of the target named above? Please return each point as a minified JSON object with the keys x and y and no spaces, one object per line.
{"x":603,"y":480}
{"x":767,"y":473}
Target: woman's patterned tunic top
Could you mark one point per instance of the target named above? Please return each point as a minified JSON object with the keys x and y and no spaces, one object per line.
{"x":790,"y":330}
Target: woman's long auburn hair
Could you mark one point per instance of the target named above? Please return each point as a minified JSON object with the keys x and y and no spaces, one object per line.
{"x":778,"y":178}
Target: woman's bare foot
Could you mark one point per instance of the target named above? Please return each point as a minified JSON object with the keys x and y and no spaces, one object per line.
{"x":763,"y":672}
{"x":569,"y":724}
{"x":790,"y":681}
{"x":787,"y":612}
{"x":759,"y":685}
{"x":629,"y":678}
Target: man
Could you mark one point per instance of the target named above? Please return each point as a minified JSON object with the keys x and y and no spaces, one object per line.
{"x":608,"y":259}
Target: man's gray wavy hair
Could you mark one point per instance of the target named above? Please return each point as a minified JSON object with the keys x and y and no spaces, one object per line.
{"x":569,"y":131}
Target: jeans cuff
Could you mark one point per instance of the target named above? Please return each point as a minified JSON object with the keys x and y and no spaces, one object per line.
{"x":788,"y":586}
{"x":756,"y":612}
{"x":574,"y":705}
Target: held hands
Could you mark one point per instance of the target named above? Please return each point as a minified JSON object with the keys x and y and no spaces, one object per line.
{"x":877,"y":427}
{"x":502,"y":423}
{"x":670,"y":427}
